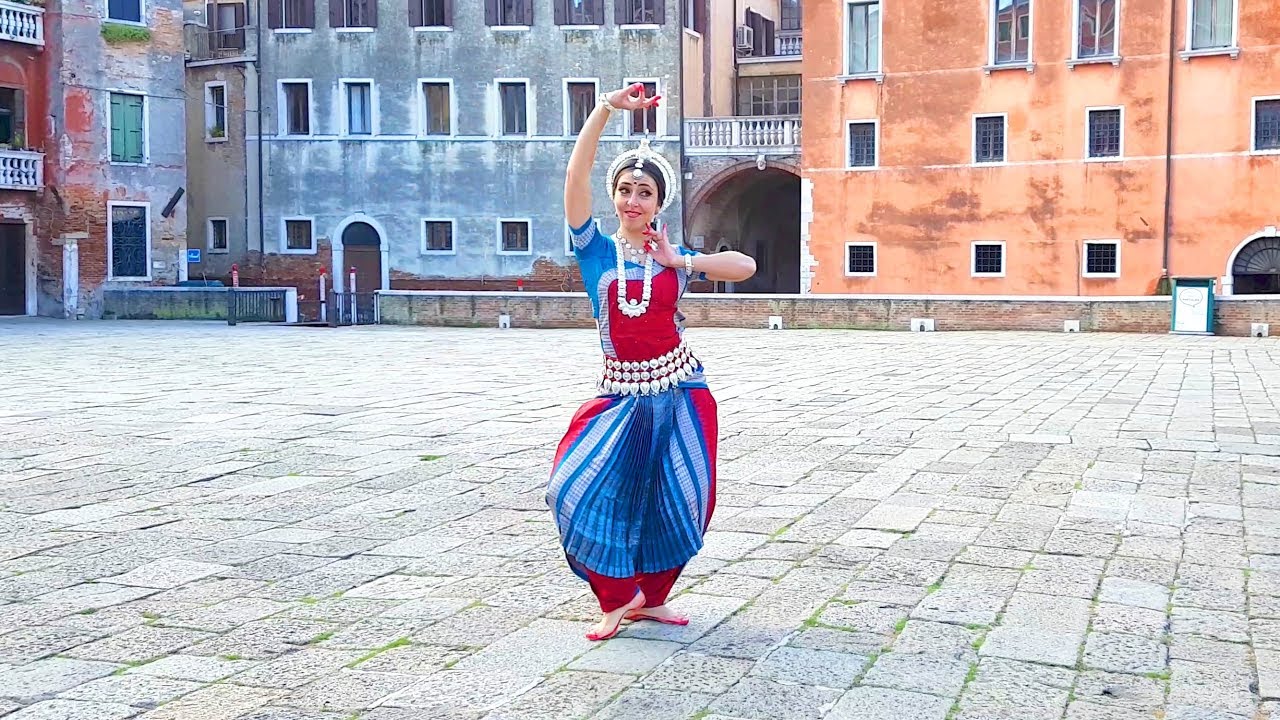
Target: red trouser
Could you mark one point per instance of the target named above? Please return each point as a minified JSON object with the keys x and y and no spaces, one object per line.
{"x":613,"y":593}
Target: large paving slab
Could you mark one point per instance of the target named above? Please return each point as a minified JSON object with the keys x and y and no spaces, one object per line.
{"x":264,"y":523}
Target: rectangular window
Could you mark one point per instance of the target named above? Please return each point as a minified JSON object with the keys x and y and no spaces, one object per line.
{"x":359,"y":101}
{"x":988,"y":259}
{"x":1105,"y":129}
{"x":578,"y":12}
{"x":229,"y":26}
{"x":769,"y":95}
{"x":862,"y":144}
{"x":1102,"y":259}
{"x":437,"y":236}
{"x":580,"y":101}
{"x":215,"y":111}
{"x":860,"y":259}
{"x":124,"y":10}
{"x":353,"y":13}
{"x":645,"y":122}
{"x":297,"y":234}
{"x":790,"y":11}
{"x":1096,"y":31}
{"x":1212,"y":24}
{"x":430,"y":13}
{"x":291,"y":14}
{"x":515,"y":236}
{"x":764,"y":39}
{"x":128,"y":128}
{"x":297,"y":108}
{"x":638,"y":12}
{"x":863,"y":33}
{"x":515,"y":108}
{"x":437,"y":110}
{"x":1266,"y":125}
{"x":1012,"y":29}
{"x":13,"y":117}
{"x":988,"y":139}
{"x":508,"y":12}
{"x":217,"y":235}
{"x":130,"y":240}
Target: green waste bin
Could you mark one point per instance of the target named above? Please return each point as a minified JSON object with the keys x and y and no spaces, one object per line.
{"x":1192,"y":306}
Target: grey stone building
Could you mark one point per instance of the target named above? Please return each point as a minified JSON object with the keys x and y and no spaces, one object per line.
{"x":425,"y":144}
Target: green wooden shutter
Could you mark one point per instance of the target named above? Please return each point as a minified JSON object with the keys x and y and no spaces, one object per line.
{"x":134,"y":130}
{"x":117,"y":128}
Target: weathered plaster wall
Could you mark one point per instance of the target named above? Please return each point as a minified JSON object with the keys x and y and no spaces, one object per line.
{"x":217,"y":171}
{"x":474,"y":178}
{"x":86,"y":69}
{"x":927,"y":203}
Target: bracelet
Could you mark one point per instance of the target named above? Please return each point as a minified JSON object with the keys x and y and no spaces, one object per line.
{"x":688,"y":264}
{"x":604,"y":103}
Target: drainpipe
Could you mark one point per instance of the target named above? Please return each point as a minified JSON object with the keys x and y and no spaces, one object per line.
{"x":257,"y":66}
{"x":1168,"y":146}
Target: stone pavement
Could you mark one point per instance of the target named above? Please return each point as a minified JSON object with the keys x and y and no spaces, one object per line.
{"x":208,"y":523}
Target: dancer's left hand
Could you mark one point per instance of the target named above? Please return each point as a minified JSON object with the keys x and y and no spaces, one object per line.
{"x":664,"y":253}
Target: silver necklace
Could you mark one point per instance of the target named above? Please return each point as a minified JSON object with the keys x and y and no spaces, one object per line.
{"x":633,"y":308}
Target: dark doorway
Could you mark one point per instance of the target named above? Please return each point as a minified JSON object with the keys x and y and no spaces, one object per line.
{"x":13,"y":269}
{"x":1256,"y":270}
{"x":362,"y":250}
{"x":756,"y":212}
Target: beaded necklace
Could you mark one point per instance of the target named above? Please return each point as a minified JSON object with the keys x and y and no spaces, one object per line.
{"x":633,"y":308}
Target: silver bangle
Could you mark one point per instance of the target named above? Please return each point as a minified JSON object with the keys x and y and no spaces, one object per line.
{"x":604,"y":103}
{"x":688,"y":264}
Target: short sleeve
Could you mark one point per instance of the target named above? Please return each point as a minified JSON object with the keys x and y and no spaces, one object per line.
{"x":686,"y":251}
{"x":587,"y":240}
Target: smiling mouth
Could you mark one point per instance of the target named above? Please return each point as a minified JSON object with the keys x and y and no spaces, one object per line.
{"x":632,"y":214}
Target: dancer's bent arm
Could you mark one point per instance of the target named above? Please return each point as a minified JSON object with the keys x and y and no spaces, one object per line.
{"x":577,"y":180}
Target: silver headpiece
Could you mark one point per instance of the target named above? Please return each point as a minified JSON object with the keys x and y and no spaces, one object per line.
{"x":637,"y":159}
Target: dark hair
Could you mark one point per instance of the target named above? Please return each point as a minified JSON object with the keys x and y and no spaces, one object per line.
{"x":652,"y":172}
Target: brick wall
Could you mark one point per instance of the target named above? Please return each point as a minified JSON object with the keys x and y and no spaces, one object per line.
{"x":544,"y":310}
{"x":296,"y":271}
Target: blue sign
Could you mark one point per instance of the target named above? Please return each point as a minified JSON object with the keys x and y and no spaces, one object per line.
{"x":193,"y":255}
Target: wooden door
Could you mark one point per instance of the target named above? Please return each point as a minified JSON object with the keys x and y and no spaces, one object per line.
{"x":13,"y":269}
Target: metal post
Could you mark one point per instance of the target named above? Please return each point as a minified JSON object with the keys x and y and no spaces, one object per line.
{"x":231,"y":305}
{"x":323,"y":297}
{"x":354,"y":320}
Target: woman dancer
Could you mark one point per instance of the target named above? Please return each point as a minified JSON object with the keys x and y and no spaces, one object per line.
{"x":632,"y":486}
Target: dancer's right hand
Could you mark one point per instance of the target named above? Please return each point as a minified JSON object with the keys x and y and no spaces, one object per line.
{"x":632,"y":98}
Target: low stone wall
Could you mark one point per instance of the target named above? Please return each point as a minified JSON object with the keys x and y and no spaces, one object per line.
{"x":181,"y":303}
{"x":1233,"y":315}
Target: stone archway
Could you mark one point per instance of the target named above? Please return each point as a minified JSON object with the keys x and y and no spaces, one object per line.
{"x":361,"y":241}
{"x":755,"y":211}
{"x":1254,"y":266}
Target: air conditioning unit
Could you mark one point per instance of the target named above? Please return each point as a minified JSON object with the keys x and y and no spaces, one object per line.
{"x":744,"y":37}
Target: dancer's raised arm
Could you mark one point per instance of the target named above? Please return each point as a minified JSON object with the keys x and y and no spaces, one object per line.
{"x":577,"y":179}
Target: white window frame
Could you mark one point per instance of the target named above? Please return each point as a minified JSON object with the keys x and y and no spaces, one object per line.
{"x":434,"y":28}
{"x":344,"y":101}
{"x":566,"y":110}
{"x":142,"y":14}
{"x":111,"y":205}
{"x":973,"y":259}
{"x":1075,"y":36}
{"x":660,"y":114}
{"x":284,"y":235}
{"x":993,"y":30}
{"x":845,"y":71}
{"x":208,"y":235}
{"x":1084,"y":259}
{"x":282,"y":108}
{"x":209,"y":113}
{"x":530,"y":107}
{"x":420,"y":115}
{"x":973,"y":140}
{"x":875,"y":259}
{"x":1087,"y":114}
{"x":453,"y":236}
{"x":146,"y":128}
{"x":848,"y":145}
{"x":498,"y":229}
{"x":1253,"y":125}
{"x":1233,"y":49}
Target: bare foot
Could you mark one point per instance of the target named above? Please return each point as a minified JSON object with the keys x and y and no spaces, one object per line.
{"x":661,"y":613}
{"x":608,"y":626}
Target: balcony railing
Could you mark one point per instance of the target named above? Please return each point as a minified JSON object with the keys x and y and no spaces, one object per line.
{"x":778,"y":135}
{"x":204,"y":44}
{"x":21,"y":170}
{"x":788,"y":45}
{"x":22,"y":23}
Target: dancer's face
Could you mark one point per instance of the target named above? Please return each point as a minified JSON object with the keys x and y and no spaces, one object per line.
{"x":635,"y":200}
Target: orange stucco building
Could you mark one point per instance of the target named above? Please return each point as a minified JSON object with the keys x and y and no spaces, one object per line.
{"x":1029,"y":147}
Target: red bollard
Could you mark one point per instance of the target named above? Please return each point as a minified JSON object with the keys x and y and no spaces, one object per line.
{"x":235,"y":276}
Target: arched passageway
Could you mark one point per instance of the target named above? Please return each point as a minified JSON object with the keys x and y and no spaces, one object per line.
{"x":756,"y":212}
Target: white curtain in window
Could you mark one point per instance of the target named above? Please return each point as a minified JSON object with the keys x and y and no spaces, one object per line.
{"x":864,"y":37}
{"x":1211,"y":23}
{"x":359,"y":112}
